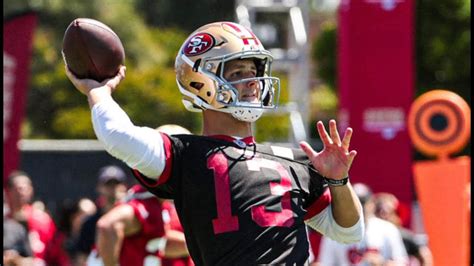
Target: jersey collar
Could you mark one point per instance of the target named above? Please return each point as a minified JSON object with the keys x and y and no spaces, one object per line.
{"x":241,"y":142}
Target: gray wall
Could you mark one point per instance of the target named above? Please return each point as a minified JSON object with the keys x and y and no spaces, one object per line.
{"x":58,"y":175}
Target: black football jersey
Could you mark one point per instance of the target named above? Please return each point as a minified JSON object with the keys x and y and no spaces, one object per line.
{"x":240,"y":203}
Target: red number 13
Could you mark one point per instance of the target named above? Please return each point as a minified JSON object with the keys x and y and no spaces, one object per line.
{"x":225,"y":221}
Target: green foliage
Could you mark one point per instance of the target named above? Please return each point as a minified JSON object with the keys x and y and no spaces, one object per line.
{"x":273,"y":128}
{"x":74,"y":122}
{"x":443,"y":46}
{"x":50,"y":92}
{"x":149,"y":95}
{"x":284,"y":91}
{"x":324,"y":52}
{"x":323,"y":100}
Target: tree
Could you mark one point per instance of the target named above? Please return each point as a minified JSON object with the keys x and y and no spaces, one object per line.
{"x":443,"y":38}
{"x":324,"y":52}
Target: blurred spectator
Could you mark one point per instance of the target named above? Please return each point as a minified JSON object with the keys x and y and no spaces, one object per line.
{"x":16,"y":245}
{"x":86,"y":208}
{"x":387,"y":207}
{"x":71,"y":214}
{"x":382,"y":243}
{"x":40,"y":225}
{"x":133,"y":233}
{"x":111,"y":188}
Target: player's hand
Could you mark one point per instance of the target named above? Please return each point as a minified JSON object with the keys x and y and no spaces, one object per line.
{"x":86,"y":85}
{"x":334,"y":160}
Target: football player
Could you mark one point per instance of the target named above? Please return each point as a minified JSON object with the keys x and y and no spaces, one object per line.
{"x":134,"y":233}
{"x":239,"y":202}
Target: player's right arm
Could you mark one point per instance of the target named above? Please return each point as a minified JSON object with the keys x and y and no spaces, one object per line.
{"x":140,"y":148}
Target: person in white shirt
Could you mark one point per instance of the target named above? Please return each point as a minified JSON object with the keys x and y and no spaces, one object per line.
{"x":382,"y":243}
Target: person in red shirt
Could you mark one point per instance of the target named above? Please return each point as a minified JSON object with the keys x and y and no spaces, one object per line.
{"x":133,"y":232}
{"x":70,"y":217}
{"x":40,"y":225}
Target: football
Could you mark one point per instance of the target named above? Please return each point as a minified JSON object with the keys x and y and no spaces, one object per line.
{"x":92,"y":50}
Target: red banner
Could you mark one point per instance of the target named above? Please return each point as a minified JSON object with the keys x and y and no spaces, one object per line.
{"x":376,"y":88}
{"x":17,"y":43}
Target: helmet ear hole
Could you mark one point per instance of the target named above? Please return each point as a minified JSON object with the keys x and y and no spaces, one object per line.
{"x":197,"y":85}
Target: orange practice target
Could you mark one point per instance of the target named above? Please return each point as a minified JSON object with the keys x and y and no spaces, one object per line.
{"x":439,"y":123}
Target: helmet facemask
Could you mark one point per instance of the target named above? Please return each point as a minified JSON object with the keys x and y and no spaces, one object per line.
{"x":228,"y":95}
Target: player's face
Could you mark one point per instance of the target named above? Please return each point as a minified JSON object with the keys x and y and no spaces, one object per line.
{"x":22,"y":190}
{"x":112,"y":191}
{"x":241,"y":69}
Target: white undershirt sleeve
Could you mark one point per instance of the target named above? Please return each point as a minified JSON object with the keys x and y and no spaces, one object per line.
{"x":324,"y":223}
{"x":140,"y":148}
{"x":327,"y":253}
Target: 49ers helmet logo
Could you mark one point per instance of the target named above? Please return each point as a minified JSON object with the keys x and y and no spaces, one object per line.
{"x":198,"y":44}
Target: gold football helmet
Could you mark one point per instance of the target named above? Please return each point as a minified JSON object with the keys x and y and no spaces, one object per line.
{"x":200,"y":65}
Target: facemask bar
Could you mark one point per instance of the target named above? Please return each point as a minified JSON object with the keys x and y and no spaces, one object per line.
{"x":268,"y":97}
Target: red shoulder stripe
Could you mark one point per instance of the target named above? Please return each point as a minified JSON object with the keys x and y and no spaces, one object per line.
{"x":320,"y":204}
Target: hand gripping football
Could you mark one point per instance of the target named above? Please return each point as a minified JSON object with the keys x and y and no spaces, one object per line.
{"x":92,"y":50}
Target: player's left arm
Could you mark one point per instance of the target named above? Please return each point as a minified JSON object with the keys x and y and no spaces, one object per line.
{"x":333,"y":163}
{"x":112,"y":228}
